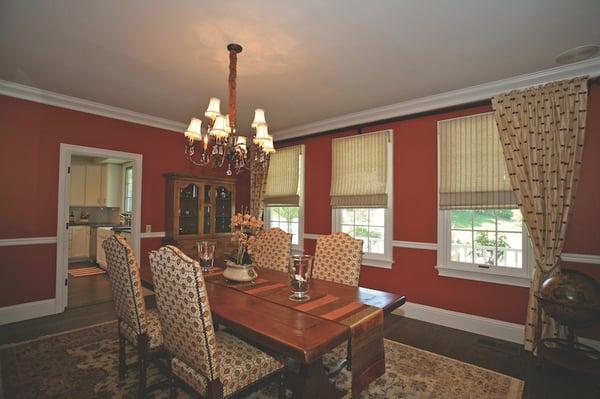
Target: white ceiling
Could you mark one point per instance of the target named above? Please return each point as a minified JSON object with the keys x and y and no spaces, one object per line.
{"x":303,"y":61}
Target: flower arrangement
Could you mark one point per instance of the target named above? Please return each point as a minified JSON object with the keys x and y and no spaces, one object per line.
{"x":245,"y":228}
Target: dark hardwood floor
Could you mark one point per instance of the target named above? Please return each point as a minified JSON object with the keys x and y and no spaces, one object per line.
{"x":542,"y":381}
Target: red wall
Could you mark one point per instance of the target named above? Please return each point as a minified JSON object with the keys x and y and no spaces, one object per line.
{"x":415,"y":217}
{"x":30,"y":137}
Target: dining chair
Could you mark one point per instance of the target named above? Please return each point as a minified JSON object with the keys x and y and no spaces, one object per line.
{"x":215,"y":364}
{"x":272,"y":249}
{"x":136,"y":324}
{"x":338,"y":258}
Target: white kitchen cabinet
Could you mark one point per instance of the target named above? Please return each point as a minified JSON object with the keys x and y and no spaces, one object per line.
{"x":96,"y":185}
{"x":77,"y":185}
{"x":93,"y":182}
{"x":79,"y":242}
{"x":102,"y":234}
{"x":110,"y":185}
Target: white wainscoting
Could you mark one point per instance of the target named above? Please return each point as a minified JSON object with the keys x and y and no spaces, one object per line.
{"x":463,"y":321}
{"x":26,"y":311}
{"x":475,"y":324}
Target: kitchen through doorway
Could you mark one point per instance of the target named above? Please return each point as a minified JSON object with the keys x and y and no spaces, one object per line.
{"x":100,"y":196}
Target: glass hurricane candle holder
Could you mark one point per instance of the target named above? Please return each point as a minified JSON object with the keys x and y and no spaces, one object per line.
{"x":300,"y":270}
{"x":206,"y":255}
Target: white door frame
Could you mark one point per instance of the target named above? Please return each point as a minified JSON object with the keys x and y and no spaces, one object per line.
{"x":62,"y":238}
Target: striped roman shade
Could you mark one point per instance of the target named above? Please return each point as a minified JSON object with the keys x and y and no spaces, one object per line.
{"x":472,"y":167}
{"x":283,"y":180}
{"x":359,"y":171}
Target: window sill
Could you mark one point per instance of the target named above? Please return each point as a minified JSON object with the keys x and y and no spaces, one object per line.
{"x":382,"y":263}
{"x":488,"y":277}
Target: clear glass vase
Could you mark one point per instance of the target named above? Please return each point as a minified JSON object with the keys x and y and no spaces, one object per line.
{"x":300,"y":270}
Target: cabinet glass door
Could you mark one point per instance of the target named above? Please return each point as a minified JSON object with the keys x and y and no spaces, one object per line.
{"x":223,"y":203}
{"x":207,"y":206}
{"x":189,"y":201}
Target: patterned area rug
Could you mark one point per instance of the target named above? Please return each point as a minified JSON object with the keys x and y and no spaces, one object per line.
{"x":83,"y":364}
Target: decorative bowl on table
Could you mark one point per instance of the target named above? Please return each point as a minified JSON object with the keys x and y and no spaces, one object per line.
{"x":239,"y":273}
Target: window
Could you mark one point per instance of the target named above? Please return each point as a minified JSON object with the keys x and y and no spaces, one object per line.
{"x":284,"y":193}
{"x":128,"y":190}
{"x":361,"y":193}
{"x":367,"y":224}
{"x":287,"y":218}
{"x":481,"y":234}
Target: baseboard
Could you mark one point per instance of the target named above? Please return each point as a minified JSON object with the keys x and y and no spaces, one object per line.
{"x":463,"y":321}
{"x":26,"y":311}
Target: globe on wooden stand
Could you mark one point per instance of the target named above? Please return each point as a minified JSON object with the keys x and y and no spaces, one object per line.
{"x":572,"y":299}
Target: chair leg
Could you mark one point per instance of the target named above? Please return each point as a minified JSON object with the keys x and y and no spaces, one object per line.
{"x":143,"y":348}
{"x":349,"y":357}
{"x":172,"y":382}
{"x":122,"y":360}
{"x":281,"y":390}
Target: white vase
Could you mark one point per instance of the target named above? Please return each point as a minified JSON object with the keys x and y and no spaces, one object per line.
{"x":240,"y":273}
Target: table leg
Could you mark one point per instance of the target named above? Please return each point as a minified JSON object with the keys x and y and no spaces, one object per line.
{"x":309,"y":381}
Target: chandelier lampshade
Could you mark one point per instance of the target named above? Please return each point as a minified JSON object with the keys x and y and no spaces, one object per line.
{"x":259,"y":118}
{"x":267,"y":145}
{"x":221,"y":145}
{"x":262,"y":134}
{"x":214,"y":108}
{"x":219,"y":129}
{"x":193,"y":131}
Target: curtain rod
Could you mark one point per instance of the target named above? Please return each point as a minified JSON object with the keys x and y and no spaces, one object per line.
{"x":361,"y":126}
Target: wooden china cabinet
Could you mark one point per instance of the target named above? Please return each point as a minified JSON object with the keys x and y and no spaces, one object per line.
{"x":199,"y":209}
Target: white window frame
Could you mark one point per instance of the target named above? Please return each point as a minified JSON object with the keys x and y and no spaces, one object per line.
{"x":470,"y":271}
{"x":299,"y":248}
{"x":385,"y":260}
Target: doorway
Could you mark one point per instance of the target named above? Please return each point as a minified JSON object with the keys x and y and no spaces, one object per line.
{"x":99,"y":194}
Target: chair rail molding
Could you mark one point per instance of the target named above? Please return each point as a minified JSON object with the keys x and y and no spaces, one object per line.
{"x":415,"y":245}
{"x":153,"y":234}
{"x":466,"y":95}
{"x":15,"y":242}
{"x":17,"y":90}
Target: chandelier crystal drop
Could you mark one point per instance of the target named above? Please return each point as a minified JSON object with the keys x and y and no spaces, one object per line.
{"x":220,"y":144}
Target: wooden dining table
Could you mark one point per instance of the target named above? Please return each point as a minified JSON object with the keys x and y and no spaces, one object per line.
{"x":264,"y":316}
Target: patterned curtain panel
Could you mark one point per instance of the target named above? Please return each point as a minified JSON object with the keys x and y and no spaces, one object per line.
{"x":472,"y":168}
{"x":258,"y":183}
{"x":542,"y":131}
{"x":284,"y":177}
{"x":359,"y":171}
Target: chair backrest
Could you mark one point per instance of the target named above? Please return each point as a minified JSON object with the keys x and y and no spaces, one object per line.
{"x":272,"y":249}
{"x":338,"y":258}
{"x":124,"y":275}
{"x":184,"y":311}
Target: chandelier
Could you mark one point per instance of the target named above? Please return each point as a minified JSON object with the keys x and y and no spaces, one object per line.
{"x":221,"y":144}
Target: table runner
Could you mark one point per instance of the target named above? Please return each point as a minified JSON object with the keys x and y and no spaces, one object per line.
{"x":364,"y":321}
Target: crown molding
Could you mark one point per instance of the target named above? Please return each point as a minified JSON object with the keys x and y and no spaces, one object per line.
{"x":452,"y":98}
{"x":17,"y":90}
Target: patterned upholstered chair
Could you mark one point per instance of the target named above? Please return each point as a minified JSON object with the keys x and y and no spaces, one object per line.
{"x":273,"y":249}
{"x":338,"y":258}
{"x":137,"y":325}
{"x":214,"y":364}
